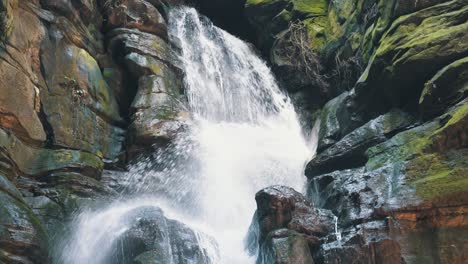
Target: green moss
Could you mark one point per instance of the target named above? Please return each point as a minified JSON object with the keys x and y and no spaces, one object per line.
{"x":345,"y":8}
{"x":425,"y":30}
{"x":440,"y":177}
{"x":459,"y":115}
{"x":317,"y":30}
{"x":310,"y":7}
{"x":433,"y":156}
{"x":258,"y":2}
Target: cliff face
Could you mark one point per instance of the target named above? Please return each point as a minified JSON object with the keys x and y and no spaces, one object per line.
{"x":76,"y":97}
{"x":392,"y":154}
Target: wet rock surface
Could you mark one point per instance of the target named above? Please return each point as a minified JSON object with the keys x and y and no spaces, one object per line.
{"x":286,"y":227}
{"x":350,"y":150}
{"x":66,"y":97}
{"x":412,"y":183}
{"x":153,"y":238}
{"x":391,"y":158}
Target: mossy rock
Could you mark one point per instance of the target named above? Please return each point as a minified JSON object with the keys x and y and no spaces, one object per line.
{"x":309,"y":8}
{"x":318,"y":29}
{"x":446,"y":88}
{"x":432,"y":157}
{"x":260,"y":11}
{"x":440,"y":177}
{"x":411,"y":52}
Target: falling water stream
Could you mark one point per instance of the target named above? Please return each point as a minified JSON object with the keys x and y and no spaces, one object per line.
{"x":244,"y":135}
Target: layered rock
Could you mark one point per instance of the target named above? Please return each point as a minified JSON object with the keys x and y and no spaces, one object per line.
{"x":66,"y":98}
{"x":412,"y":183}
{"x":137,"y":30}
{"x":286,"y":227}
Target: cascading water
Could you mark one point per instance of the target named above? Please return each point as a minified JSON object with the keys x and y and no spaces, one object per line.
{"x":244,"y":135}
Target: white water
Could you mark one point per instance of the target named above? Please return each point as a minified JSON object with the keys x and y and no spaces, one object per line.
{"x":244,"y":136}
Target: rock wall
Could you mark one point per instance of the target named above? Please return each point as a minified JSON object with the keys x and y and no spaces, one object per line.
{"x":392,"y":154}
{"x":80,"y":82}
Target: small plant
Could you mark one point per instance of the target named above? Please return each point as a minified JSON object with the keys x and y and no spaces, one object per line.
{"x":347,"y":71}
{"x":78,"y":94}
{"x":295,"y":46}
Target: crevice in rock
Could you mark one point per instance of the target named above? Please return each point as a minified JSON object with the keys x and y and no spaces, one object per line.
{"x":49,"y":131}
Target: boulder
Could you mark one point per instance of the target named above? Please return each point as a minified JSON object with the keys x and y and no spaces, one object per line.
{"x":158,"y":107}
{"x":286,"y":227}
{"x":413,"y":180}
{"x":432,"y":155}
{"x":157,"y":111}
{"x":78,"y":12}
{"x":421,"y":167}
{"x":125,"y":41}
{"x":39,"y":162}
{"x":153,"y":238}
{"x":53,"y":182}
{"x":282,"y":207}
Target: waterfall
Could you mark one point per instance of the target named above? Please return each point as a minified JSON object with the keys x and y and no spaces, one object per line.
{"x":248,"y":132}
{"x":244,"y":135}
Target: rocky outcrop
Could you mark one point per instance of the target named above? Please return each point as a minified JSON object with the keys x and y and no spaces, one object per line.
{"x":80,"y":82}
{"x":286,"y":227}
{"x":138,"y":38}
{"x":347,"y":35}
{"x":350,"y":150}
{"x":412,"y":183}
{"x":391,"y":159}
{"x":408,"y":54}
